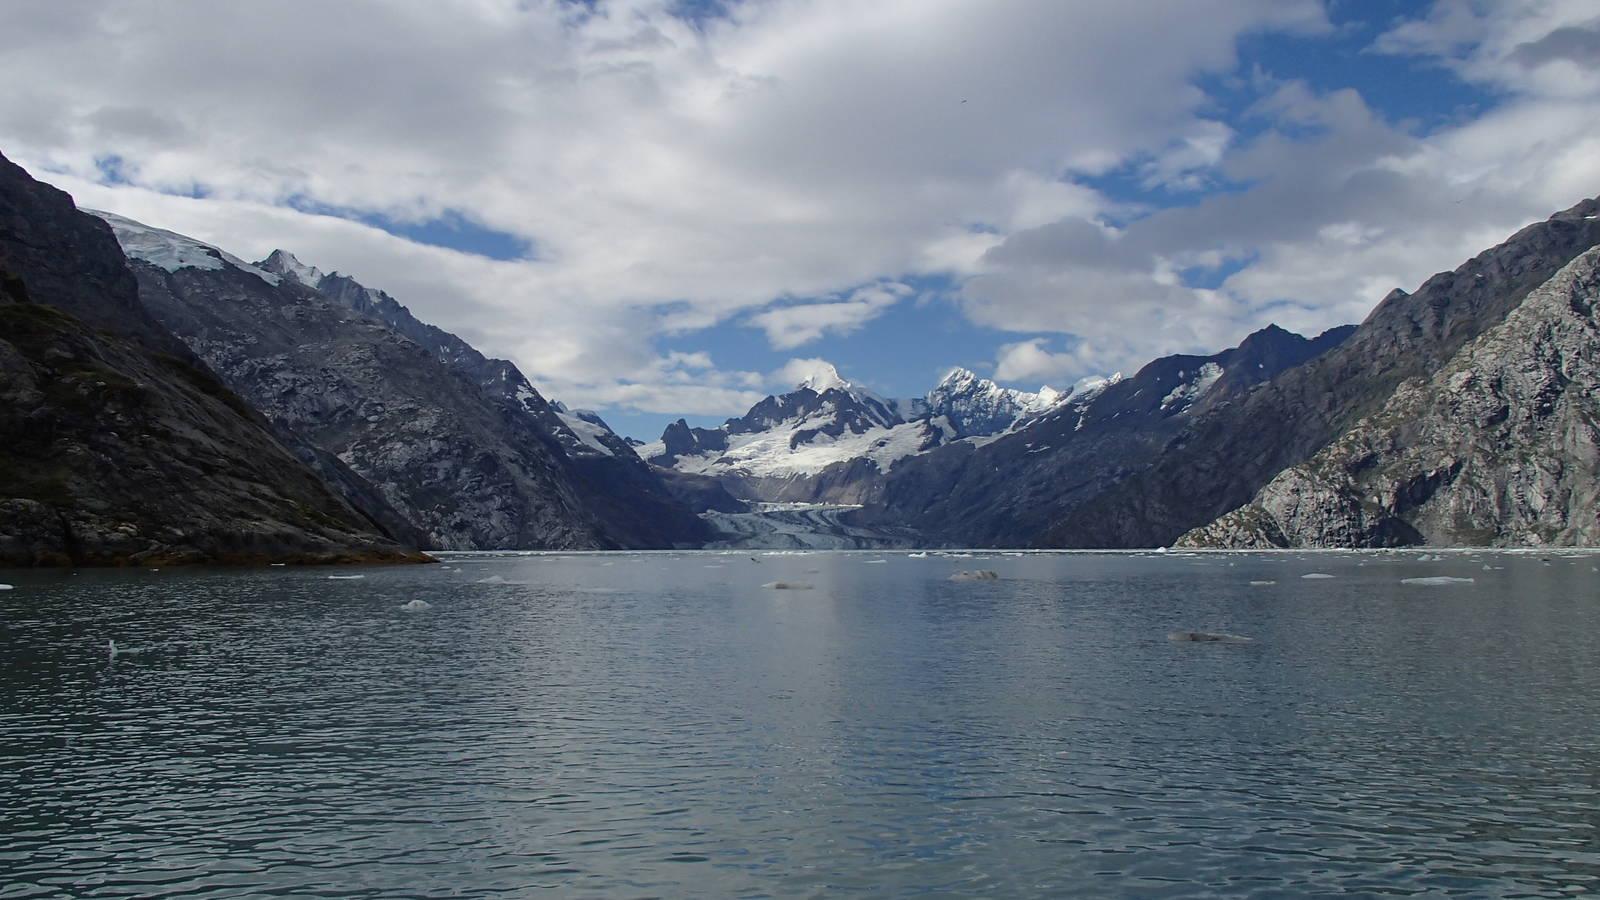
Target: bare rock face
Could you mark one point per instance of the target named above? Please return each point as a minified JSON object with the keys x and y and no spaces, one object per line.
{"x":1227,"y":454}
{"x":409,"y":422}
{"x":1500,"y":447}
{"x":119,"y":446}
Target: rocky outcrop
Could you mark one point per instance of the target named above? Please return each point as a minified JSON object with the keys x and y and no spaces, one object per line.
{"x":1500,"y":447}
{"x":457,"y":445}
{"x":117,"y":445}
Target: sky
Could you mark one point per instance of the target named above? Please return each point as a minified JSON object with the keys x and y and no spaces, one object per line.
{"x":665,"y":208}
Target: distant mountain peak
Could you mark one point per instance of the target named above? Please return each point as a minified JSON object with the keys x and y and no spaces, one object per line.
{"x":282,"y":262}
{"x":823,"y":379}
{"x":958,"y":377}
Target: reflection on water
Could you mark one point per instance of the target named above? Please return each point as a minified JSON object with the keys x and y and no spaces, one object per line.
{"x":660,"y":724}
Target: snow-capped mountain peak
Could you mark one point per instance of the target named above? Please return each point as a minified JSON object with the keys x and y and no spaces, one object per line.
{"x":825,"y":378}
{"x":977,"y":406}
{"x":282,"y":262}
{"x":827,"y":421}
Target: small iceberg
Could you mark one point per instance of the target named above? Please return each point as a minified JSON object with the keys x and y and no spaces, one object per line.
{"x":1208,"y":637}
{"x":787,"y":586}
{"x":345,"y":577}
{"x":6,"y":587}
{"x":416,"y":605}
{"x":1260,"y":583}
{"x":976,"y":575}
{"x":918,"y":555}
{"x":1314,"y":576}
{"x":1437,"y":580}
{"x":876,"y":562}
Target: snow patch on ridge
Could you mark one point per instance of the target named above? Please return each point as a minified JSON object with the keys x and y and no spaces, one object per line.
{"x":585,"y":425}
{"x":1189,"y":391}
{"x":172,"y":251}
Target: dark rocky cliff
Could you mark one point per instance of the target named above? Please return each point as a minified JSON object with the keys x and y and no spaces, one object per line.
{"x":454,"y":445}
{"x":119,"y":446}
{"x":1222,"y":458}
{"x":1499,"y":447}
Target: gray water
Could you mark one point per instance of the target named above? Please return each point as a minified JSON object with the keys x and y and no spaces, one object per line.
{"x":663,"y":725}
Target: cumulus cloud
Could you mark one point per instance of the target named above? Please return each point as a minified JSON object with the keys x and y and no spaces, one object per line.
{"x":671,"y":174}
{"x":1338,"y":205}
{"x":791,"y":165}
{"x":788,"y":327}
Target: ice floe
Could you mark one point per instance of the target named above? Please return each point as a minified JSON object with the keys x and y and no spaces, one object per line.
{"x":976,"y":575}
{"x":1208,"y":637}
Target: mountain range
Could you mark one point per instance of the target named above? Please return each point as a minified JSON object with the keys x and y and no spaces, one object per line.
{"x":165,"y":400}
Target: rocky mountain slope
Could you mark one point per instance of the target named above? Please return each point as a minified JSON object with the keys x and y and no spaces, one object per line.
{"x":1221,"y":458}
{"x":119,"y":445}
{"x":1500,"y":447}
{"x":458,"y":446}
{"x":1015,"y":489}
{"x":830,"y":441}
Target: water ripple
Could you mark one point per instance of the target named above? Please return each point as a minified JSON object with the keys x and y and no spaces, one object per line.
{"x":624,"y":725}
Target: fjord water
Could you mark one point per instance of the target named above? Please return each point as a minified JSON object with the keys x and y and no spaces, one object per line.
{"x":664,"y":725}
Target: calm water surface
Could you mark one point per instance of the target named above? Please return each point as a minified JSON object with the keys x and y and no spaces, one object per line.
{"x":663,"y":725}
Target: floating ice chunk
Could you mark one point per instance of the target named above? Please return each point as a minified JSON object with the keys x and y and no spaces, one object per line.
{"x":277,"y":564}
{"x":1437,"y":580}
{"x":874,"y":562}
{"x":1313,"y":576}
{"x":494,"y":579}
{"x":1208,"y":637}
{"x":787,"y":586}
{"x":1260,"y":583}
{"x":6,"y":587}
{"x":345,"y":577}
{"x":976,"y":575}
{"x":918,"y":555}
{"x":416,"y":605}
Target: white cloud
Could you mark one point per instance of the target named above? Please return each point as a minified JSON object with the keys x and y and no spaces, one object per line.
{"x":671,"y":176}
{"x":1342,"y":206}
{"x":1030,"y":361}
{"x":790,"y":166}
{"x":788,"y":327}
{"x":800,"y":370}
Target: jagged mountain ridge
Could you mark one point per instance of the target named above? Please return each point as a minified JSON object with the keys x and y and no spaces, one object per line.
{"x":1222,"y":458}
{"x":828,"y":439}
{"x":457,"y":444}
{"x":1012,"y":490}
{"x":120,"y":445}
{"x":1499,"y":447}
